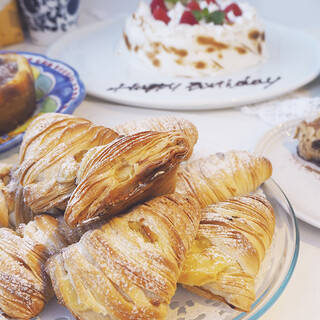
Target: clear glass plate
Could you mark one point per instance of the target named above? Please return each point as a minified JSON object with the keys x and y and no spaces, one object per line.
{"x":274,"y":275}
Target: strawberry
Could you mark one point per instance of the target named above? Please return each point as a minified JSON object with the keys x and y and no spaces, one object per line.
{"x":194,"y":5}
{"x":157,"y":4}
{"x":234,"y":8}
{"x":212,"y":1}
{"x":188,"y":18}
{"x":161,"y":14}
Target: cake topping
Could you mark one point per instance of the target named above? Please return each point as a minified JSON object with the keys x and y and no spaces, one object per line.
{"x":191,"y":38}
{"x":161,"y":14}
{"x":193,"y":5}
{"x":234,"y":8}
{"x":188,"y":18}
{"x":157,"y":4}
{"x":195,"y":11}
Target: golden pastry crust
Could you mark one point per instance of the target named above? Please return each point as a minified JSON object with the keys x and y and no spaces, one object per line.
{"x":162,"y":124}
{"x":231,"y":242}
{"x":223,"y":176}
{"x":51,"y":151}
{"x":128,"y":171}
{"x":24,"y":285}
{"x":128,"y":268}
{"x":17,"y":93}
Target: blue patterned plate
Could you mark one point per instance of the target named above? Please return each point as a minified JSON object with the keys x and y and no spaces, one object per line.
{"x":58,"y":89}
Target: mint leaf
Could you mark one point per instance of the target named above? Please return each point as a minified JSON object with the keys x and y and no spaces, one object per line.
{"x":205,"y":13}
{"x":175,"y":1}
{"x":197,"y":14}
{"x":217,"y":17}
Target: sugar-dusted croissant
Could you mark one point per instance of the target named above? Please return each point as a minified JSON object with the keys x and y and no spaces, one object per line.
{"x":128,"y":268}
{"x":222,"y":176}
{"x":226,"y":254}
{"x":162,"y":124}
{"x":24,"y":285}
{"x":50,"y":153}
{"x":5,"y":170}
{"x":129,"y":170}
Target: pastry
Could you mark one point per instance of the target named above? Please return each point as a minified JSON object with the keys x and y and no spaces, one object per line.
{"x":223,"y":176}
{"x":17,"y":91}
{"x":51,"y":151}
{"x":308,"y":135}
{"x":193,"y":38}
{"x":24,"y":285}
{"x":130,"y":170}
{"x":229,"y":247}
{"x":162,"y":124}
{"x":5,"y":170}
{"x":128,"y":268}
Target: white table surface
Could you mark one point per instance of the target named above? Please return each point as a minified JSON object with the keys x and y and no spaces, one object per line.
{"x":225,"y":129}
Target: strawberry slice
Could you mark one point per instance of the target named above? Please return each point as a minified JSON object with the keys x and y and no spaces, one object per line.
{"x":194,"y":5}
{"x":212,"y":1}
{"x":234,"y":8}
{"x":161,"y":14}
{"x":188,"y":18}
{"x":157,"y":4}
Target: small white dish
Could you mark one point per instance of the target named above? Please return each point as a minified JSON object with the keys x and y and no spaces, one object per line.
{"x":93,"y":51}
{"x":299,"y":179}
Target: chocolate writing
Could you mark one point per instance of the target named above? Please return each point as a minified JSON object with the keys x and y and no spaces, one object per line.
{"x":266,"y":83}
{"x":198,"y":85}
{"x":147,"y":87}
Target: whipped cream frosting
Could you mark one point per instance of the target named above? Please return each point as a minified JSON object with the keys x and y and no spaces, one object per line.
{"x":185,"y":50}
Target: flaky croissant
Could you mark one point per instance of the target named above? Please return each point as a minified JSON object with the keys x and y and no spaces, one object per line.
{"x":162,"y":124}
{"x":129,"y":170}
{"x":24,"y":285}
{"x":128,"y":268}
{"x":226,"y":254}
{"x":50,"y":153}
{"x":5,"y":171}
{"x":222,"y":176}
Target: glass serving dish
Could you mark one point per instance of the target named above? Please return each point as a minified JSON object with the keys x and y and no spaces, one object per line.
{"x":274,"y":275}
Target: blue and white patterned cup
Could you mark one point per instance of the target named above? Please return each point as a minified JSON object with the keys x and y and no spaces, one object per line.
{"x":47,"y":20}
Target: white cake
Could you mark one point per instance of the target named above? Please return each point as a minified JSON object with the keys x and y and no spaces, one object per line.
{"x":181,"y":49}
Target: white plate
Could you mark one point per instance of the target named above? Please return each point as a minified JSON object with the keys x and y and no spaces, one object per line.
{"x":299,"y":179}
{"x":294,"y":57}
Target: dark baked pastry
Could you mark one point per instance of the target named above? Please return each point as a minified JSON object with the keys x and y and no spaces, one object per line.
{"x":308,"y":134}
{"x":125,"y":172}
{"x":17,"y":91}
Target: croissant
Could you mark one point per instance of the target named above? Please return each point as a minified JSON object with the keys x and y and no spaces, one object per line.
{"x":129,"y":170}
{"x":50,"y":153}
{"x":5,"y":170}
{"x":24,"y":285}
{"x":229,"y":247}
{"x":162,"y":124}
{"x":223,"y":176}
{"x":128,"y":268}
